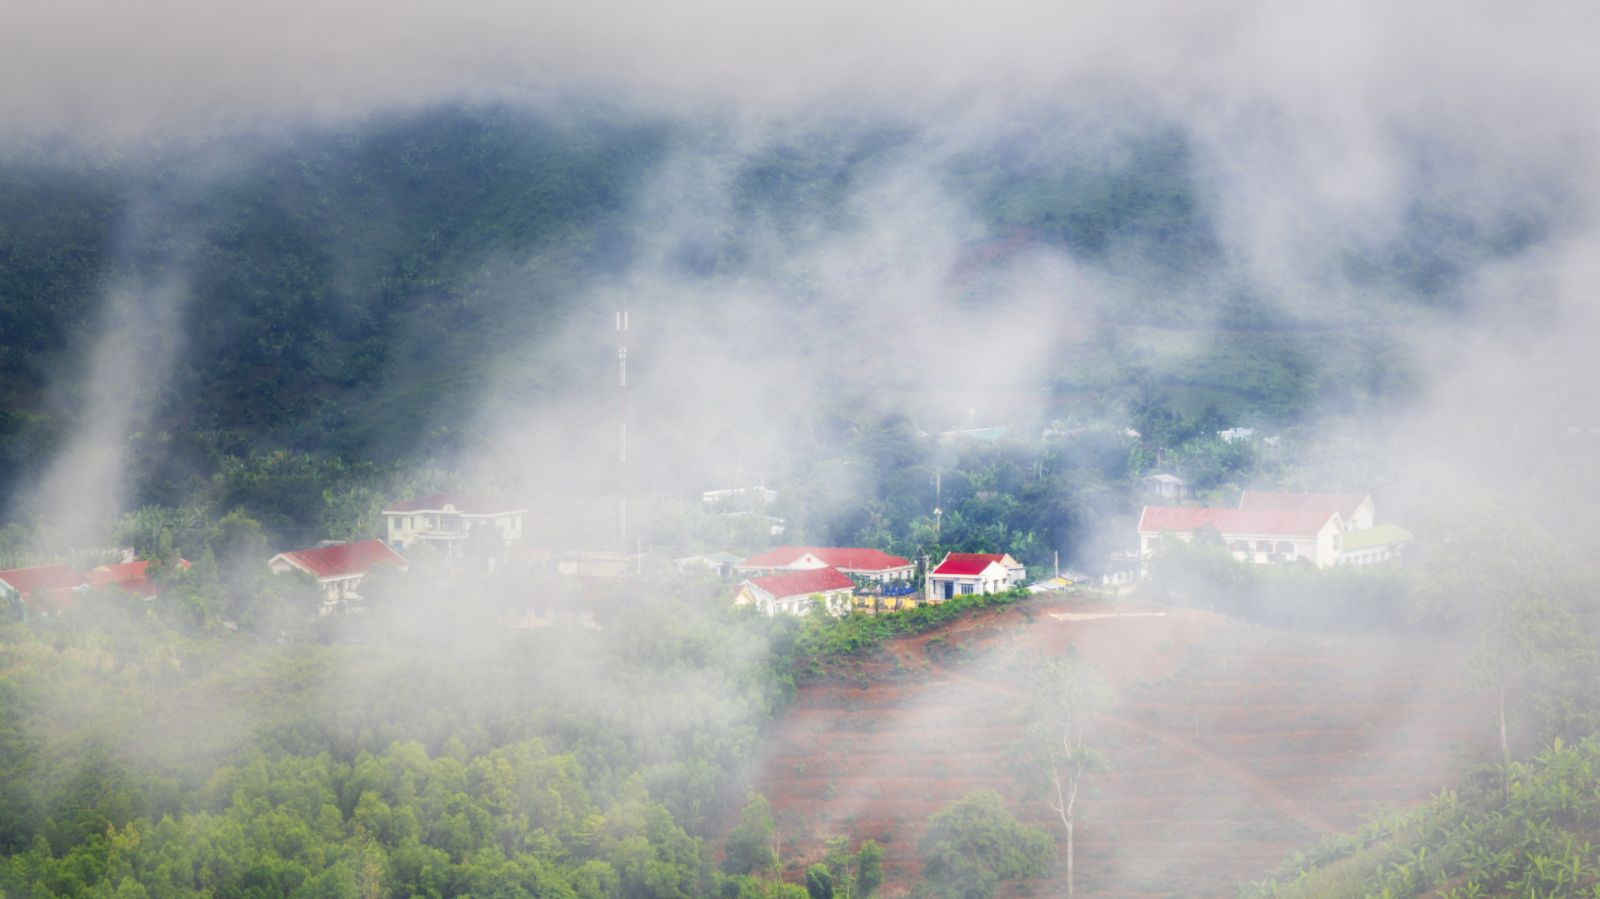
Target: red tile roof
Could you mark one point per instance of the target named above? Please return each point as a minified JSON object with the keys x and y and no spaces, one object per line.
{"x":1266,"y":501}
{"x":804,"y":583}
{"x":42,"y":579}
{"x":967,"y":564}
{"x":1182,"y":520}
{"x":131,"y":576}
{"x":344,"y":559}
{"x":845,"y":558}
{"x":464,"y":503}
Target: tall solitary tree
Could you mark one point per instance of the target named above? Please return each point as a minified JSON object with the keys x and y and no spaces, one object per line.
{"x":1053,"y":754}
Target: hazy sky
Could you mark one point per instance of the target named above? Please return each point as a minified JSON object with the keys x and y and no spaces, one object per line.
{"x":157,"y":63}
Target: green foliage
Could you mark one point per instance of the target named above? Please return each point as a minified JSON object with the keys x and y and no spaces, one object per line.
{"x":750,"y":845}
{"x":1538,"y":840}
{"x":1203,"y":573}
{"x":822,"y":637}
{"x":974,"y":844}
{"x":164,"y":753}
{"x":819,"y":883}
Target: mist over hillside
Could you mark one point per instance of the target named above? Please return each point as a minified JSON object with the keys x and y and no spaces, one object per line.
{"x":400,"y":289}
{"x":910,"y":279}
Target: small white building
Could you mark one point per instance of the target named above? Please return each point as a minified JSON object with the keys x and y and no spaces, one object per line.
{"x":740,"y":497}
{"x":1166,"y":486}
{"x":963,"y":574}
{"x":447,"y":520}
{"x":1252,"y":536}
{"x":795,"y":592}
{"x":339,"y":568}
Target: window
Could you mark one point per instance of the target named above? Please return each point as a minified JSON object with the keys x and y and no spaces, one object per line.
{"x":966,"y":589}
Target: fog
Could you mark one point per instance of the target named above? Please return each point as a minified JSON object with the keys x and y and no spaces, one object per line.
{"x":1314,"y":136}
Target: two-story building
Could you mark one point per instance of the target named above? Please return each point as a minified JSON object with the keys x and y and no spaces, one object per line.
{"x":453,"y":522}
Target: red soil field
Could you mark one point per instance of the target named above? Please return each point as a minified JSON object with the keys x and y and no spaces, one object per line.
{"x":1229,"y":746}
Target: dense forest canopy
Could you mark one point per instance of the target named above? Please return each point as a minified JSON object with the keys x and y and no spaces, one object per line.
{"x":379,"y":297}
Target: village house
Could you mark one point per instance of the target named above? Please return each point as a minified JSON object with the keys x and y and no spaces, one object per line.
{"x":1166,"y":486}
{"x":339,"y":568}
{"x":794,"y":592}
{"x":42,"y":588}
{"x":450,"y":520}
{"x":866,"y":564}
{"x":721,"y":563}
{"x":1252,"y":536}
{"x":962,"y":574}
{"x":133,"y":577}
{"x":1355,"y":509}
{"x":739,"y":497}
{"x":604,"y":563}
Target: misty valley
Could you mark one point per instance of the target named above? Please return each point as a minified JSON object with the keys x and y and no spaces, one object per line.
{"x":591,"y":498}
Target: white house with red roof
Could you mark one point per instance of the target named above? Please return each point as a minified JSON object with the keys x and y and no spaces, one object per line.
{"x":1253,"y":536}
{"x":870,"y":564}
{"x":447,"y":520}
{"x":794,"y":592}
{"x":43,"y":588}
{"x":963,"y":574}
{"x":1355,"y":510}
{"x":339,"y":567}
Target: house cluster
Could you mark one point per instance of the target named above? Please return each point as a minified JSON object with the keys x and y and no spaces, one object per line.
{"x":1325,"y":529}
{"x":790,"y":579}
{"x":44,"y":589}
{"x":464,"y":531}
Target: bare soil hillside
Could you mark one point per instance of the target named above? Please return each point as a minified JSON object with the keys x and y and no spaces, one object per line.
{"x":1228,"y":747}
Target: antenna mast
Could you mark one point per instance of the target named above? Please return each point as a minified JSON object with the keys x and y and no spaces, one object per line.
{"x":622,"y":425}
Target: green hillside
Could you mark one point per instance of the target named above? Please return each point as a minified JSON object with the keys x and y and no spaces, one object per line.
{"x":1536,"y":839}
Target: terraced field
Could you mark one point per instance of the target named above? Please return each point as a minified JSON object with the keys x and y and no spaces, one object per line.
{"x":1229,"y":745}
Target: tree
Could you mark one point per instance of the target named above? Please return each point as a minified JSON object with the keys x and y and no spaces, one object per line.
{"x":750,"y":843}
{"x":854,"y":875}
{"x":1523,"y":600}
{"x":1052,"y":757}
{"x":819,"y":883}
{"x":974,"y":843}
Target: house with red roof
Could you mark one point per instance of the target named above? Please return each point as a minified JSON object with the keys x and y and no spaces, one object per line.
{"x":42,"y":588}
{"x":133,"y":577}
{"x":868,"y":564}
{"x":796,"y":592}
{"x":448,"y":520}
{"x":1259,"y":536}
{"x":1356,"y":511}
{"x":963,"y":574}
{"x":339,"y":567}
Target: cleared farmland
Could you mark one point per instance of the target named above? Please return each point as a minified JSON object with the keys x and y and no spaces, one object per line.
{"x":1227,"y":748}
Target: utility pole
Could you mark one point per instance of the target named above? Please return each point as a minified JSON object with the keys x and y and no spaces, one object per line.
{"x":622,"y":427}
